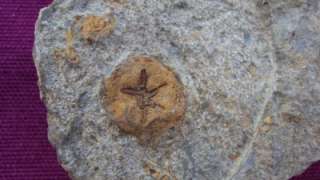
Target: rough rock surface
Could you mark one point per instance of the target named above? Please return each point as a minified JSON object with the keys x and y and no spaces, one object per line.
{"x":251,"y":70}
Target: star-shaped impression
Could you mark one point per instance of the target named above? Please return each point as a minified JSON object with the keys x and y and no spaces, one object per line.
{"x":142,"y":94}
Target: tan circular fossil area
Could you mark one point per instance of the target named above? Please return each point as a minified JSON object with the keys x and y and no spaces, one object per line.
{"x":145,"y":97}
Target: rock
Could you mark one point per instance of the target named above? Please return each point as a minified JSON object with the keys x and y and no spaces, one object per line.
{"x":249,"y":70}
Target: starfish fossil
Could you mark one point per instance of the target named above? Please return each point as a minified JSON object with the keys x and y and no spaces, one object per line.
{"x":142,"y":93}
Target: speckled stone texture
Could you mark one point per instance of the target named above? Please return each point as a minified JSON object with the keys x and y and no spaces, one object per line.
{"x":250,"y":71}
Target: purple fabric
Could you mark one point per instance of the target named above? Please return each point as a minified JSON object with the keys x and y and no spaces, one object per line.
{"x":25,"y":152}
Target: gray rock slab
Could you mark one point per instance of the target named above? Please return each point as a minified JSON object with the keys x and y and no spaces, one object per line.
{"x":251,"y":70}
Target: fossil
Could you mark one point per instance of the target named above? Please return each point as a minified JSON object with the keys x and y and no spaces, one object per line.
{"x":145,"y":97}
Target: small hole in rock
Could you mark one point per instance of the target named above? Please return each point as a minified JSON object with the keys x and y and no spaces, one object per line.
{"x":181,"y":5}
{"x":152,"y":171}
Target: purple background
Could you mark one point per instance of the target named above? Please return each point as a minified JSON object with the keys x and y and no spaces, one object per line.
{"x":25,"y":152}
